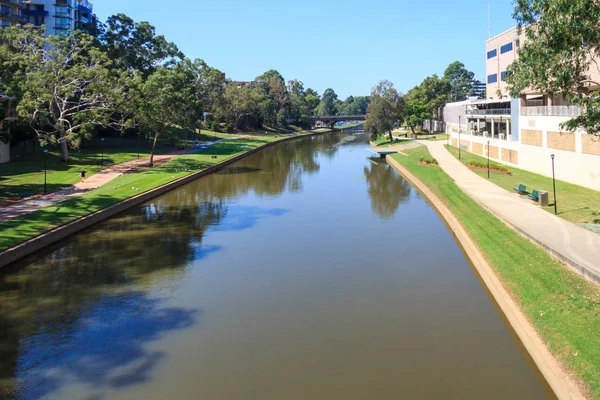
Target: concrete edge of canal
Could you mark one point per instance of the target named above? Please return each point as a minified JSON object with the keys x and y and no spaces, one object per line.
{"x":561,"y":383}
{"x":34,"y":244}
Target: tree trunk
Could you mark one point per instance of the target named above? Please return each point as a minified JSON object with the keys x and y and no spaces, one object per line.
{"x":412,"y":128}
{"x":153,"y":148}
{"x":391,"y":137}
{"x":64,"y":149}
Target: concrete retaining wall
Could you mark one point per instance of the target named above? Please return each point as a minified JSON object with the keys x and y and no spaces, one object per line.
{"x":39,"y":242}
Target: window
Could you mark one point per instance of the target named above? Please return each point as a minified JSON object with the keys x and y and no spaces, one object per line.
{"x":503,"y":76}
{"x":492,"y":53}
{"x":506,"y":48}
{"x":493,"y":78}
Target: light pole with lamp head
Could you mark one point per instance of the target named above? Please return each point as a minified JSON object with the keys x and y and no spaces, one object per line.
{"x":459,"y":128}
{"x":554,"y":184}
{"x":102,"y":147}
{"x":488,"y":159}
{"x":45,"y":169}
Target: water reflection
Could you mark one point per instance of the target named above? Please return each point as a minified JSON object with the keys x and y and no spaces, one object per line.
{"x":57,"y":310}
{"x":387,"y":189}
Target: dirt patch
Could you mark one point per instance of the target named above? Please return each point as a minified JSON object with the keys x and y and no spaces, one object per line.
{"x":145,"y":167}
{"x":496,"y":171}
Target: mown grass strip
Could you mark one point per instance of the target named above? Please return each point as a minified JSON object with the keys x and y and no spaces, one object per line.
{"x":22,"y":228}
{"x":563,"y":306}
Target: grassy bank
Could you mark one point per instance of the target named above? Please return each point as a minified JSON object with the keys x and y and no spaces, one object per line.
{"x":563,"y":306}
{"x":22,"y":228}
{"x":575,"y":203}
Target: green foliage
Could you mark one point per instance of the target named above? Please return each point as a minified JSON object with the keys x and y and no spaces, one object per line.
{"x":328,"y":105}
{"x":483,"y":164}
{"x":433,"y":92}
{"x":428,"y":160}
{"x":386,"y":109}
{"x":461,"y":81}
{"x":416,"y":114}
{"x":562,"y":38}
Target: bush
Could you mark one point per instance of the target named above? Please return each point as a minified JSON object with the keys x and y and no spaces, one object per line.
{"x":428,"y":160}
{"x":228,"y":127}
{"x":479,"y":164}
{"x":214,"y":125}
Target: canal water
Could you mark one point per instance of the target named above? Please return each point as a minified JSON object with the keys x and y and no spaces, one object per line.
{"x":305,"y":271}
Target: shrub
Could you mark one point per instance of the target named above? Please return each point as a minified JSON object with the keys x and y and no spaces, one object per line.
{"x":429,"y":161}
{"x":479,"y":164}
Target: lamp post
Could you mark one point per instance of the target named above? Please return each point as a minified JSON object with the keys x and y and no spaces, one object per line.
{"x":45,"y":169}
{"x":554,"y":185}
{"x":459,"y":128}
{"x":138,"y":144}
{"x":102,"y":147}
{"x":488,"y":159}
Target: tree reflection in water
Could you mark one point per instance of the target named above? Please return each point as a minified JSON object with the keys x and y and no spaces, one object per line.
{"x":387,"y":189}
{"x":57,"y":308}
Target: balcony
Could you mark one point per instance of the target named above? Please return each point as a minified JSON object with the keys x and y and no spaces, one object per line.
{"x":551,"y":111}
{"x":10,"y":15}
{"x":35,"y":13}
{"x":14,"y":3}
{"x":490,"y":112}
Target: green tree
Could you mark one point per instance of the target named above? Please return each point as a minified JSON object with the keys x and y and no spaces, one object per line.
{"x":135,"y":45}
{"x":168,"y":97}
{"x":67,"y":85}
{"x":461,"y":81}
{"x":433,"y":92}
{"x":328,"y":105}
{"x":561,"y":40}
{"x":416,"y":114}
{"x":240,"y":103}
{"x":276,"y":96}
{"x":386,"y":109}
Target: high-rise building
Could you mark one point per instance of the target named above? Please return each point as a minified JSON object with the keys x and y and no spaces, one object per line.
{"x":59,"y":16}
{"x":11,"y":13}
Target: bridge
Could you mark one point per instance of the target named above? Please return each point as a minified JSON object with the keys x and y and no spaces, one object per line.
{"x":332,"y":119}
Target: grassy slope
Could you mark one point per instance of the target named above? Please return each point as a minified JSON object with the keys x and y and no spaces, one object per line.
{"x":563,"y":306}
{"x":575,"y":203}
{"x":17,"y":230}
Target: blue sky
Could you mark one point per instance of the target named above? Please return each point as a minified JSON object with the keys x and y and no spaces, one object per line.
{"x":348,"y":45}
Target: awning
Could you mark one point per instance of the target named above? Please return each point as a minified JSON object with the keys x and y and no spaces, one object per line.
{"x":534,"y":96}
{"x":477,"y":102}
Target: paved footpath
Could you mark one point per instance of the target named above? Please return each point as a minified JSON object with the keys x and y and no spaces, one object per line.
{"x":571,"y":243}
{"x":91,"y":183}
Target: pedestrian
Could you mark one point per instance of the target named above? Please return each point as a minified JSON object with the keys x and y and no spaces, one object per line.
{"x":82,"y":173}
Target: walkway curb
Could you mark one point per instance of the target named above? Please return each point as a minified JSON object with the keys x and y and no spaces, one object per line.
{"x":561,"y":383}
{"x":47,"y":238}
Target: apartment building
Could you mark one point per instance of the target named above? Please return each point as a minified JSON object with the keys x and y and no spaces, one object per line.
{"x":11,"y":13}
{"x":523,"y":131}
{"x":59,"y":16}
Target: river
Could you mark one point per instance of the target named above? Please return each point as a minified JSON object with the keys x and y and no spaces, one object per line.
{"x":304,"y":271}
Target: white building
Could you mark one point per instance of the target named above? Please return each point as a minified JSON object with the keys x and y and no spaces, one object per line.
{"x":523,"y":131}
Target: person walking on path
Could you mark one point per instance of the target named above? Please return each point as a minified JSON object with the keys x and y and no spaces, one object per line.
{"x":82,"y":173}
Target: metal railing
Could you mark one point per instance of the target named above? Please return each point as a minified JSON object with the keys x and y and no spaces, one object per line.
{"x":13,"y":2}
{"x":552,"y":111}
{"x":494,"y":111}
{"x":13,"y":16}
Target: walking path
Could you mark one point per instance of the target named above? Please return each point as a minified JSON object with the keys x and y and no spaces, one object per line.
{"x":574,"y":245}
{"x":91,"y":183}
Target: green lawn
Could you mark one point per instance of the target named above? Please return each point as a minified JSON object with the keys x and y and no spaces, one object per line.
{"x":563,"y":306}
{"x":17,"y":230}
{"x":575,"y":203}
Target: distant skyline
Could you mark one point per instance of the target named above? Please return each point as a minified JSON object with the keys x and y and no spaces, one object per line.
{"x":347,"y":45}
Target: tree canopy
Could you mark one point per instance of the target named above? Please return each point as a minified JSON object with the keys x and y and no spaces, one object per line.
{"x":386,"y":109}
{"x":461,"y":81}
{"x":562,"y":37}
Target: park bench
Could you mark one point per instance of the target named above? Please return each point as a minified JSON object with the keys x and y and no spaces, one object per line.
{"x":521,"y":189}
{"x":535,"y":195}
{"x":25,"y":193}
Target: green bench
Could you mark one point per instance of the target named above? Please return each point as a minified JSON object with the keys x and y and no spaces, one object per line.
{"x":535,"y":195}
{"x":521,"y":189}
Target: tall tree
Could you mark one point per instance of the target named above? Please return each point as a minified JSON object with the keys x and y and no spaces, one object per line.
{"x":67,"y":85}
{"x":461,"y":81}
{"x":433,"y":92}
{"x":167,"y":98}
{"x":135,"y":45}
{"x":559,"y":55}
{"x":276,"y":96}
{"x":386,"y":109}
{"x":328,"y":105}
{"x":240,"y":103}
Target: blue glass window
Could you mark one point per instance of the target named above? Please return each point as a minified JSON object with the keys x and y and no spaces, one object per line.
{"x":506,"y":48}
{"x":492,"y":53}
{"x":493,"y":78}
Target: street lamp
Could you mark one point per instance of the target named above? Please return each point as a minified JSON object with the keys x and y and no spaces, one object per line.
{"x":102,"y":147}
{"x":45,"y":169}
{"x":488,"y":159}
{"x":459,"y":128}
{"x":554,"y":184}
{"x":138,"y":144}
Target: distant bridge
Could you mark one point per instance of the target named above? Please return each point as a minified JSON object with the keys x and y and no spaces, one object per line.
{"x":332,"y":119}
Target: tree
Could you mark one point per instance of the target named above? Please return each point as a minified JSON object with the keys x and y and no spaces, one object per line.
{"x":328,"y":105}
{"x":276,"y":96}
{"x":168,"y":98}
{"x":135,"y":45}
{"x":239,"y":102}
{"x":559,"y":55}
{"x":386,"y":109}
{"x":416,"y":114}
{"x":433,"y":92}
{"x":67,"y":85}
{"x":461,"y":81}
